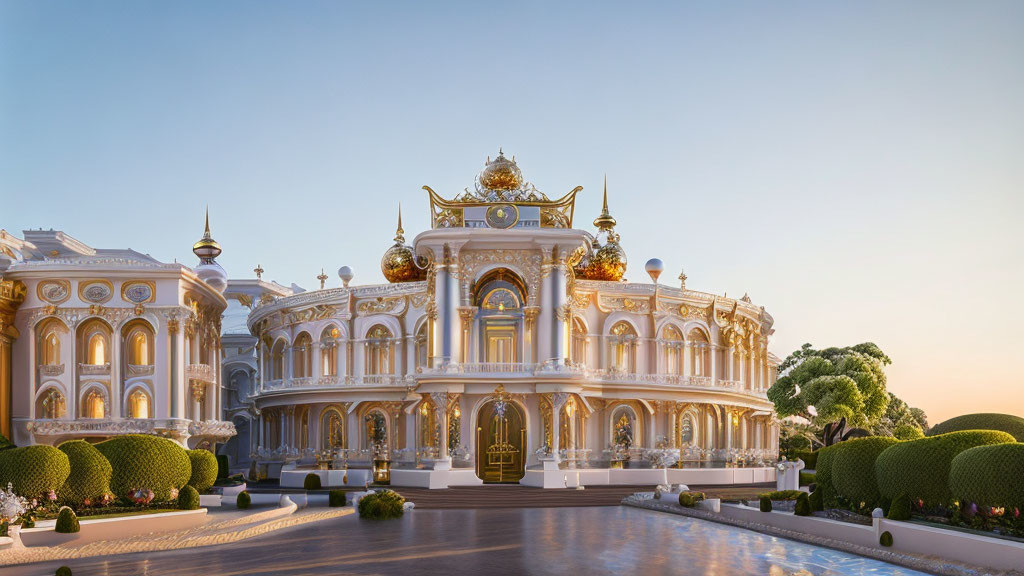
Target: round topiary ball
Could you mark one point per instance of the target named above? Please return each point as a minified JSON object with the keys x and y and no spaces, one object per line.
{"x":63,"y":571}
{"x":885,"y":539}
{"x":141,"y":461}
{"x":381,"y":505}
{"x":188,"y":498}
{"x":853,"y":469}
{"x":204,"y":469}
{"x":989,"y":476}
{"x":1013,"y":425}
{"x":803,"y":505}
{"x":90,"y":473}
{"x":67,"y":521}
{"x":766,"y":504}
{"x":34,"y":470}
{"x":311,"y":482}
{"x":920,"y":468}
{"x":336,"y":498}
{"x":243,"y":501}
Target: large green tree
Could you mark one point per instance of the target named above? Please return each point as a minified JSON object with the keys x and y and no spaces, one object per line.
{"x":826,"y":385}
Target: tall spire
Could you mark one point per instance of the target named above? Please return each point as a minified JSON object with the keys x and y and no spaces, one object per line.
{"x":399,"y":232}
{"x":605,"y":220}
{"x":206,"y":234}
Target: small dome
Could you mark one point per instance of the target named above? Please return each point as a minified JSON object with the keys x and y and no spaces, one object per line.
{"x":607,"y":262}
{"x":214,"y":275}
{"x":501,"y":174}
{"x":400,"y":263}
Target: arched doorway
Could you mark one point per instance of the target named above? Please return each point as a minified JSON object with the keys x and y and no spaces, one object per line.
{"x":500,"y":440}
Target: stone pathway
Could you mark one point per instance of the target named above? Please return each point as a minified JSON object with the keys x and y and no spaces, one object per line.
{"x":216,"y":531}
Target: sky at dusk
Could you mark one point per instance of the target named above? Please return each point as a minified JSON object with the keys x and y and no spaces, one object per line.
{"x":857,"y":168}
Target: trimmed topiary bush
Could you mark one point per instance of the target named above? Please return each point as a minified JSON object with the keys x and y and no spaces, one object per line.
{"x":810,"y":458}
{"x":243,"y":500}
{"x":67,"y":521}
{"x":783,"y":495}
{"x":336,"y":498}
{"x":853,"y":469}
{"x":807,"y":478}
{"x":816,"y":503}
{"x":803,"y":505}
{"x":989,"y":476}
{"x":823,"y":475}
{"x":885,"y":539}
{"x":90,"y":473}
{"x":311,"y":482}
{"x":1013,"y":425}
{"x":920,"y":468}
{"x":381,"y":505}
{"x":204,"y":469}
{"x":63,"y":571}
{"x":900,"y":508}
{"x":5,"y":443}
{"x":690,"y":499}
{"x":34,"y":470}
{"x":223,"y":468}
{"x":188,"y":498}
{"x":142,"y":461}
{"x":766,"y":504}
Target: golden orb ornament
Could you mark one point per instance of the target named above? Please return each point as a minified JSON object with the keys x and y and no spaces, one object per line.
{"x":400,"y":263}
{"x":607,"y":263}
{"x":501,"y":174}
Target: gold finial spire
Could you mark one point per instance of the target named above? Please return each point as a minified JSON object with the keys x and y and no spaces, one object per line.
{"x":206,"y":248}
{"x":322,"y":278}
{"x":605,"y":220}
{"x":259,"y":272}
{"x":206,"y":234}
{"x":399,"y":232}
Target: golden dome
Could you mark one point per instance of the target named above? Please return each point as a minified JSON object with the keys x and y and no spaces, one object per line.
{"x":206,"y":248}
{"x":501,"y":174}
{"x":400,"y":263}
{"x":608,"y":263}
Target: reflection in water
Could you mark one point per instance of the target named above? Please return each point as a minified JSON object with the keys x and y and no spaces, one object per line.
{"x":574,"y":541}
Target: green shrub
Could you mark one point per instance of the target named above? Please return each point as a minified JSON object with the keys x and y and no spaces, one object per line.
{"x":1014,"y":425}
{"x":783,"y":495}
{"x":67,"y":522}
{"x":853,"y":469}
{"x":336,"y":498}
{"x":5,"y":443}
{"x":204,"y":469}
{"x":808,"y":478}
{"x":33,"y":470}
{"x":243,"y":500}
{"x":810,"y":458}
{"x":885,"y":539}
{"x":188,"y":498}
{"x":766,"y":504}
{"x":223,"y":468}
{"x":823,"y":475}
{"x":63,"y":571}
{"x":907,"y":432}
{"x":143,"y":461}
{"x":90,"y":473}
{"x":989,"y":475}
{"x":815,"y":499}
{"x":900,"y":508}
{"x":311,"y":482}
{"x":381,"y":505}
{"x":690,"y":499}
{"x":920,"y":468}
{"x":803,"y":505}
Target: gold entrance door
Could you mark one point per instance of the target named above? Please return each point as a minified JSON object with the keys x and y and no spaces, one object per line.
{"x":501,"y":443}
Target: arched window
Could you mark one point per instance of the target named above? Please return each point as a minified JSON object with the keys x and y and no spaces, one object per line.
{"x":332,"y":429}
{"x":51,"y":405}
{"x":329,"y":351}
{"x":139,"y":404}
{"x":277,"y":360}
{"x":379,"y":351}
{"x":138,"y":342}
{"x":376,"y":430}
{"x":500,"y":295}
{"x":672,"y":350}
{"x":622,"y":342}
{"x":623,"y":427}
{"x":429,"y":432}
{"x":302,"y":356}
{"x":579,"y":342}
{"x":94,"y":341}
{"x":48,"y":353}
{"x":686,"y":431}
{"x":700,"y":359}
{"x":94,"y":405}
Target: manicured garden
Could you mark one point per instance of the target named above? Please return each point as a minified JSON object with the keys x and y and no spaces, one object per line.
{"x":124,"y":476}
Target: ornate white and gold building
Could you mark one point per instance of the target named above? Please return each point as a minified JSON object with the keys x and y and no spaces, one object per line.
{"x":506,"y":346}
{"x":101,"y":342}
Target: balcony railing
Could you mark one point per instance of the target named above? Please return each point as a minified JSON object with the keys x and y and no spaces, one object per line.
{"x":51,"y":369}
{"x":94,"y":369}
{"x":339,"y":382}
{"x":200,"y":372}
{"x":140,"y":370}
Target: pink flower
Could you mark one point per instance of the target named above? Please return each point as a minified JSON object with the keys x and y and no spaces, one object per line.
{"x":51,"y":496}
{"x":86,"y":502}
{"x":174,"y":493}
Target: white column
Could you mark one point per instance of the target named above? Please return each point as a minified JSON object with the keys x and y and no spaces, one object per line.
{"x":713,"y":350}
{"x":558,"y":400}
{"x":115,"y":375}
{"x":558,"y":302}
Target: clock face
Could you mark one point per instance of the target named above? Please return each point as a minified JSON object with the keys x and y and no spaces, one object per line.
{"x":502,"y":216}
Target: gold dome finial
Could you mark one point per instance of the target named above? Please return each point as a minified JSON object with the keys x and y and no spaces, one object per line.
{"x":605,"y":220}
{"x":400,"y":263}
{"x":206,"y":248}
{"x":501,"y":174}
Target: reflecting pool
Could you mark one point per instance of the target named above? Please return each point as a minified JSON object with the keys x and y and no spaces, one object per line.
{"x":573,"y":541}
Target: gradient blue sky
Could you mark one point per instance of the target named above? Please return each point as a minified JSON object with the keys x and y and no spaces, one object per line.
{"x":858,"y":168}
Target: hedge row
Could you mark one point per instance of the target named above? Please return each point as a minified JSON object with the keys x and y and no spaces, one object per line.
{"x":810,"y":458}
{"x":823,"y":474}
{"x":989,"y":475}
{"x":1008,"y":423}
{"x":33,"y":470}
{"x":853,"y":469}
{"x":141,"y":461}
{"x":921,"y":468}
